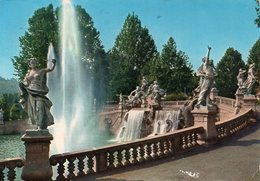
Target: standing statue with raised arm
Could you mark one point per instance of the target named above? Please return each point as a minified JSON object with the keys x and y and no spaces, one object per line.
{"x":208,"y":74}
{"x":33,"y":95}
{"x":250,"y":79}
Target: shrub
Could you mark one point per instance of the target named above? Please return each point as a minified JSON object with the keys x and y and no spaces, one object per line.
{"x":176,"y":97}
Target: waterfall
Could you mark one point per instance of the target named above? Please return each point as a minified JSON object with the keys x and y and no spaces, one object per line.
{"x":165,"y":121}
{"x":132,"y":125}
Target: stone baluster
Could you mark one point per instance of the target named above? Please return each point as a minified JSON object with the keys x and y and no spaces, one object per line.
{"x":141,"y":153}
{"x":155,"y":150}
{"x":11,"y":173}
{"x":119,"y":158}
{"x":61,"y":168}
{"x":194,"y":139}
{"x":148,"y":151}
{"x":90,"y":164}
{"x":81,"y":165}
{"x":134,"y":155}
{"x":184,"y":142}
{"x":71,"y":167}
{"x":166,"y":147}
{"x":111,"y":160}
{"x":127,"y":157}
{"x":189,"y":140}
{"x":2,"y":172}
{"x":161,"y":149}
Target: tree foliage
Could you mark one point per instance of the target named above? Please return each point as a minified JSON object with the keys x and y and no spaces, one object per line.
{"x":8,"y":86}
{"x":227,"y":71}
{"x":6,"y":102}
{"x":130,"y":56}
{"x":95,"y":59}
{"x":173,"y":71}
{"x":254,"y":57}
{"x":257,"y":20}
{"x":42,"y":31}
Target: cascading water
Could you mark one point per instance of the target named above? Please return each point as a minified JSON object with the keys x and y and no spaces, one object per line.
{"x":165,"y":121}
{"x":70,"y":90}
{"x":131,"y":128}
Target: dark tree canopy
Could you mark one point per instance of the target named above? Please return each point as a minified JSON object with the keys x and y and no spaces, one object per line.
{"x":173,"y":71}
{"x":130,"y":56}
{"x":257,"y":20}
{"x":95,"y":59}
{"x":43,"y":29}
{"x":227,"y":70}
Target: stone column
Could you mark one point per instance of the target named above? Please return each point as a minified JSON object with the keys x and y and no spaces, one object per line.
{"x":37,"y":165}
{"x":249,"y":102}
{"x":206,"y":117}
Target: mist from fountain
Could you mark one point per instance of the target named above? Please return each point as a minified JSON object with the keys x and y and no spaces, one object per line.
{"x":70,"y":91}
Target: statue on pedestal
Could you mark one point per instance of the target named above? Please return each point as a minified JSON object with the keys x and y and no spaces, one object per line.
{"x":207,"y":74}
{"x":33,"y":95}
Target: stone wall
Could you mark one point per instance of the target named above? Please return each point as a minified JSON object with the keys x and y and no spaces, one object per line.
{"x":14,"y":127}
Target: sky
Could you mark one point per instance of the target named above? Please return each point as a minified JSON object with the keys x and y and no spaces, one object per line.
{"x":194,"y":25}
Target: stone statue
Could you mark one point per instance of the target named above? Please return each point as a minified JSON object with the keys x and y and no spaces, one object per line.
{"x":208,"y":76}
{"x":144,"y":85}
{"x":249,"y":82}
{"x":135,"y":96}
{"x":33,"y":95}
{"x":157,"y":93}
{"x":241,"y":79}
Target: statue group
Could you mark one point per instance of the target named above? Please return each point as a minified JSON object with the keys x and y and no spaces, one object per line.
{"x":33,"y":95}
{"x":140,"y":95}
{"x":245,"y":84}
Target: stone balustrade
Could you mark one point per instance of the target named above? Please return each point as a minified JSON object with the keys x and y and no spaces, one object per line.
{"x":8,"y":168}
{"x":233,"y":125}
{"x":226,"y":101}
{"x":87,"y":162}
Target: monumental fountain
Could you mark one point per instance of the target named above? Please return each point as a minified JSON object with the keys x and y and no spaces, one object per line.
{"x":71,"y":90}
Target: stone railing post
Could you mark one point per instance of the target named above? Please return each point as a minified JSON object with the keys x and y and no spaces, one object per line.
{"x":206,"y":117}
{"x":37,"y":165}
{"x":101,"y":162}
{"x":249,"y":102}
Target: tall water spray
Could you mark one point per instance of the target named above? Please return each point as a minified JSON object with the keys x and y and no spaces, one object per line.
{"x":70,"y":89}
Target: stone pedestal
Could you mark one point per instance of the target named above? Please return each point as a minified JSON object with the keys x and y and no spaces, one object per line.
{"x":239,"y":98}
{"x":37,"y":165}
{"x":249,"y":102}
{"x":206,"y":117}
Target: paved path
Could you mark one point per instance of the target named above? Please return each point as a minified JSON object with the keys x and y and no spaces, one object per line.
{"x":235,"y":159}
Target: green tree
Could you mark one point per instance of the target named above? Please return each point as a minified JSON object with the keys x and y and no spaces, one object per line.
{"x":130,"y":56}
{"x":16,"y":112}
{"x":227,"y":71}
{"x":257,"y":20}
{"x":254,"y":57}
{"x":174,"y":72}
{"x":43,"y":28}
{"x":95,"y":59}
{"x":6,"y":102}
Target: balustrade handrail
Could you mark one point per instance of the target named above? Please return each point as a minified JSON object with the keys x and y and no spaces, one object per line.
{"x":11,"y":164}
{"x":228,"y":101}
{"x":234,"y":124}
{"x":127,"y":153}
{"x":129,"y":143}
